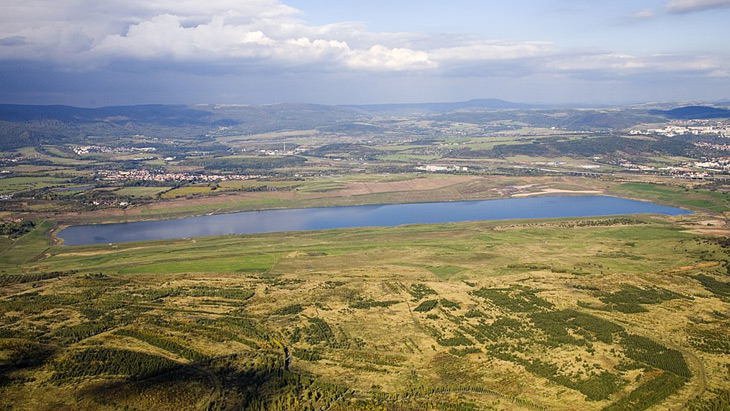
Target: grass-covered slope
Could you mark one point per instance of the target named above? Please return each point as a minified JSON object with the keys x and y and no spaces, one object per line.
{"x":615,"y":313}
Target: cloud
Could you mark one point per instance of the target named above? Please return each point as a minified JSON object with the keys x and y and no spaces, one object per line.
{"x":12,"y":41}
{"x":644,"y":14}
{"x":493,"y":50}
{"x":266,"y":36}
{"x":165,"y":36}
{"x":616,"y":66}
{"x":688,"y":6}
{"x":84,"y":34}
{"x":720,"y":73}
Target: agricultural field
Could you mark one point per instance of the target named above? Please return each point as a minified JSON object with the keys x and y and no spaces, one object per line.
{"x":141,"y":191}
{"x":80,"y":170}
{"x":600,"y":313}
{"x":18,"y":184}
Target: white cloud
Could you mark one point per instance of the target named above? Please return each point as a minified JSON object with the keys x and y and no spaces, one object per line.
{"x":644,"y":14}
{"x":265,"y":34}
{"x":720,"y":73}
{"x":83,"y":34}
{"x":597,"y":62}
{"x":493,"y":50}
{"x":687,"y":6}
{"x":624,"y":65}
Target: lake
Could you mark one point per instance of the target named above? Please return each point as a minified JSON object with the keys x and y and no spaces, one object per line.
{"x":389,"y":215}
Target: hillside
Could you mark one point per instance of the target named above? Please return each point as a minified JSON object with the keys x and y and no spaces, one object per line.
{"x":693,"y":112}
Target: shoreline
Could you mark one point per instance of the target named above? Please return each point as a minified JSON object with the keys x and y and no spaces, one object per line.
{"x":306,"y":219}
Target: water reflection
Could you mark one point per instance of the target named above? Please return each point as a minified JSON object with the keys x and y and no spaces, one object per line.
{"x":360,"y":216}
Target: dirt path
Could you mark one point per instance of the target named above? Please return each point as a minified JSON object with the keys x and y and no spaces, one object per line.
{"x":557,"y":191}
{"x":203,"y":403}
{"x":702,"y":372}
{"x":698,"y":266}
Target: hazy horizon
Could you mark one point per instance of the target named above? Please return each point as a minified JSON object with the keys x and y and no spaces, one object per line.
{"x":529,"y":104}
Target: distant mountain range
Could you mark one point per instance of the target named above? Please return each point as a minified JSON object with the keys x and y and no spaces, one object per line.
{"x":693,"y":112}
{"x":206,"y":114}
{"x":181,"y":115}
{"x":169,"y":114}
{"x":23,"y":125}
{"x":412,"y":108}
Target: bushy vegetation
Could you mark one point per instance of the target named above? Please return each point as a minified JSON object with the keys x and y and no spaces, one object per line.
{"x":23,"y":354}
{"x":107,"y":361}
{"x":240,"y":325}
{"x":419,"y":291}
{"x":715,"y":340}
{"x":516,"y":299}
{"x":319,"y":332}
{"x":555,"y":324}
{"x":366,"y":304}
{"x":650,"y":352}
{"x":78,"y":332}
{"x":458,"y":339}
{"x":463,"y":352}
{"x":473,"y":313}
{"x":500,"y":329}
{"x":290,"y":310}
{"x":719,"y":288}
{"x":650,"y":393}
{"x":718,"y":401}
{"x":17,"y":228}
{"x":232,"y":293}
{"x":453,"y":305}
{"x":628,"y":299}
{"x":426,"y":306}
{"x":8,"y":279}
{"x":307,"y":355}
{"x":596,"y":387}
{"x":164,"y":344}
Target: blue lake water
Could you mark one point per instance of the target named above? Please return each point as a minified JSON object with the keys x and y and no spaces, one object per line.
{"x":360,"y":216}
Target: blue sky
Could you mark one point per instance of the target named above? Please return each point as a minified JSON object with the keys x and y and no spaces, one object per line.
{"x":90,"y":53}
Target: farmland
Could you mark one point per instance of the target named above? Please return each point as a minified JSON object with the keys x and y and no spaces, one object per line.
{"x":82,"y":169}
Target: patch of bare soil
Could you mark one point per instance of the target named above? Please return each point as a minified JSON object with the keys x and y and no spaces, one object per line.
{"x":420,"y":184}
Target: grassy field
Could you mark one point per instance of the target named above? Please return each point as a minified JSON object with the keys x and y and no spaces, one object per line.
{"x":17,"y":184}
{"x":239,"y":264}
{"x":25,"y":248}
{"x":597,"y":313}
{"x":407,"y":158}
{"x":60,"y":160}
{"x":251,"y":184}
{"x":703,"y":199}
{"x":188,"y":191}
{"x":141,"y":191}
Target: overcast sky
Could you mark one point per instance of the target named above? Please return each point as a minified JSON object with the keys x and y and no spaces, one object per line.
{"x":112,"y":52}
